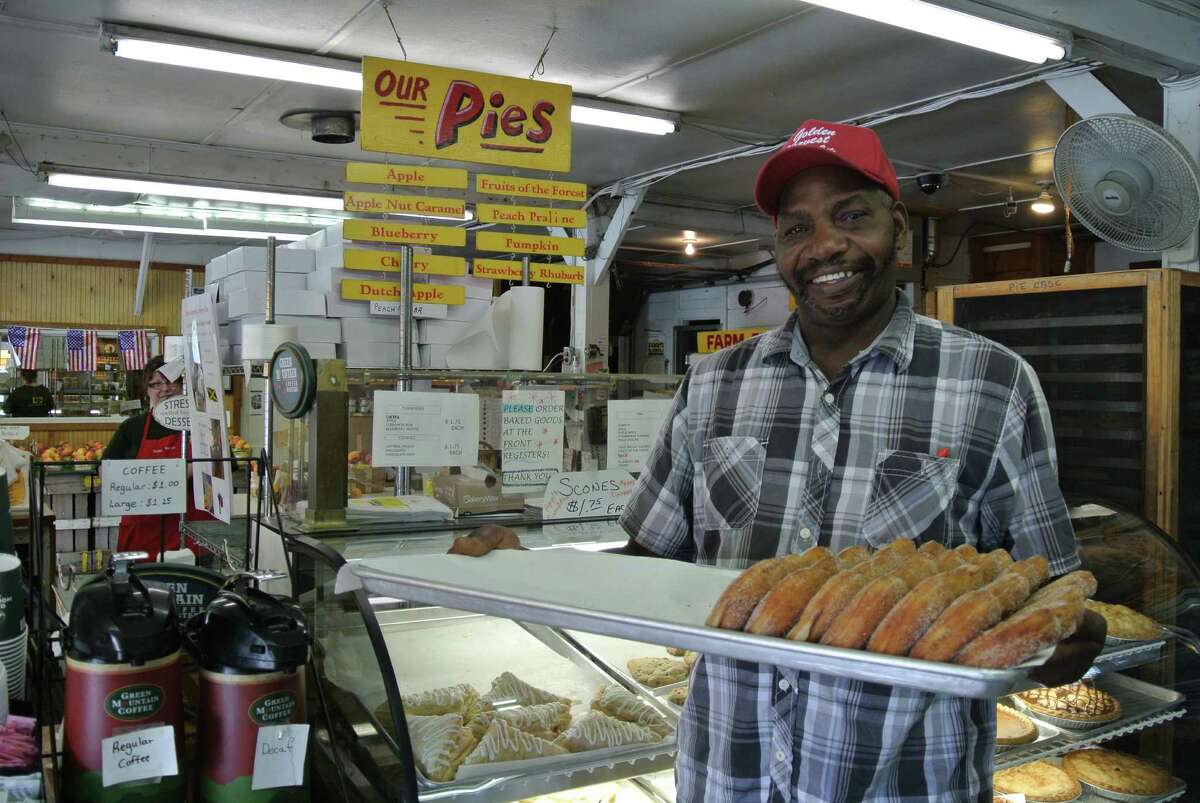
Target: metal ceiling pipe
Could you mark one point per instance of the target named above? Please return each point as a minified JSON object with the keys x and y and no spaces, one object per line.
{"x":929,"y":236}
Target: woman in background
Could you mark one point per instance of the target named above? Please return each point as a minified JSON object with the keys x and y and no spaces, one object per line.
{"x":141,"y":437}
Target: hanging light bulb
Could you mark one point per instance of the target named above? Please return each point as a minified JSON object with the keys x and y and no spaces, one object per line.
{"x":689,"y":242}
{"x":1043,"y":204}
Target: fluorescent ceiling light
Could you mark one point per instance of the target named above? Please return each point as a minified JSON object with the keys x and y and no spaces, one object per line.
{"x":227,"y":233}
{"x":626,"y":121}
{"x":88,"y":182}
{"x":203,"y":58}
{"x":955,"y":26}
{"x":260,"y":62}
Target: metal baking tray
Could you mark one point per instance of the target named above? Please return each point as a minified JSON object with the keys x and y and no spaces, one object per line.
{"x":1142,"y":706}
{"x":615,"y":653}
{"x":643,"y":599}
{"x":434,"y":647}
{"x":1117,"y":657}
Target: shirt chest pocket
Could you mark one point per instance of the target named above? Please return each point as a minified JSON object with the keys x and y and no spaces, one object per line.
{"x":910,"y":495}
{"x":732,"y":469}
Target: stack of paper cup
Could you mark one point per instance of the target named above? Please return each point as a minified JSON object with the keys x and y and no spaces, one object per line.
{"x":13,"y":633}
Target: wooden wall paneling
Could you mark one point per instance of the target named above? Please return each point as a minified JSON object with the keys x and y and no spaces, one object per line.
{"x":56,"y":292}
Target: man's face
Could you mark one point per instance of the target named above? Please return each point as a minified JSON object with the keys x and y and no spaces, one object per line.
{"x":836,"y":237}
{"x":159,"y":388}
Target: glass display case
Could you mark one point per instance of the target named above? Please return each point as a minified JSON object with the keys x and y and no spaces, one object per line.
{"x":586,"y":401}
{"x":370,"y":650}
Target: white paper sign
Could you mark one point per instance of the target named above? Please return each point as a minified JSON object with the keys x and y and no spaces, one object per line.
{"x":279,"y":756}
{"x":174,"y":413}
{"x":138,"y":755}
{"x":531,"y":439}
{"x":14,"y":432}
{"x":424,"y":429}
{"x":212,"y":483}
{"x":584,"y":494}
{"x":633,"y":427}
{"x":391,"y":309}
{"x":143,"y":487}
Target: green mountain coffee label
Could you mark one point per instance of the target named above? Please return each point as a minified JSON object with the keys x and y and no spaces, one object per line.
{"x":273,"y":708}
{"x":131,"y":703}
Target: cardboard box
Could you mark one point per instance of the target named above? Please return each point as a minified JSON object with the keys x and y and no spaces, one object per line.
{"x":367,"y":354}
{"x":215,"y":269}
{"x":254,"y":258}
{"x":433,"y":331}
{"x":309,"y":329}
{"x":434,"y":355}
{"x":472,"y":309}
{"x":380,"y":330}
{"x":338,"y":307}
{"x":475,"y":287}
{"x":318,"y":351}
{"x":287,"y":302}
{"x":465,"y":494}
{"x":221,"y":309}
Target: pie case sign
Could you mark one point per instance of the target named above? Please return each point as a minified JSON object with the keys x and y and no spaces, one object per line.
{"x":460,"y":115}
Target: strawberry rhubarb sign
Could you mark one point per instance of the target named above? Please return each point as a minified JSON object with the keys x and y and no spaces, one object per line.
{"x":465,"y":116}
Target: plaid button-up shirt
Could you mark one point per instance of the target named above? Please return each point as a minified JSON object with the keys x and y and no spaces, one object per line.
{"x":931,"y":433}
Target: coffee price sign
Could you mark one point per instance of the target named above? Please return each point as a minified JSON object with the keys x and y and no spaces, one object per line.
{"x":143,"y":487}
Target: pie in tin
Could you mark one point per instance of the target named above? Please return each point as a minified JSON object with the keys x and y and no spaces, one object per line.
{"x":1074,"y":702}
{"x":1013,"y":727}
{"x":1038,"y":781}
{"x":1124,"y":622}
{"x":1111,"y":771}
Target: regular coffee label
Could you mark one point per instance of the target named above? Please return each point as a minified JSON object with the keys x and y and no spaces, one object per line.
{"x":134,"y":703}
{"x":272,"y":708}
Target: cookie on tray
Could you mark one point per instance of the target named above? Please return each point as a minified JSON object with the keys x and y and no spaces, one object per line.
{"x":655,"y":672}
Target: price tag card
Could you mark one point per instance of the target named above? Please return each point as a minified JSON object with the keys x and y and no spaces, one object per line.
{"x":138,"y":755}
{"x":279,"y":756}
{"x":13,"y":432}
{"x":633,"y":427}
{"x":142,"y":487}
{"x":391,"y":309}
{"x":584,"y":494}
{"x":424,"y":429}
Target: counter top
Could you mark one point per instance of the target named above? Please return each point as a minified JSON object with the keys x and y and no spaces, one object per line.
{"x":48,"y":422}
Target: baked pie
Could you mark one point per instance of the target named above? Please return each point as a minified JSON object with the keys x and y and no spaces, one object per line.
{"x":1038,"y":781}
{"x":595,"y":730}
{"x":545,"y":720}
{"x":1013,"y":727}
{"x":620,"y":704}
{"x":508,"y":686}
{"x":439,"y":744}
{"x":503,"y":742}
{"x":462,"y":699}
{"x":1073,"y":703}
{"x":1120,"y":773}
{"x":655,"y":672}
{"x":1124,"y":622}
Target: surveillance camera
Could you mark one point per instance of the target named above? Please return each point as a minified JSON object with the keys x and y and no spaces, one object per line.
{"x":931,"y":182}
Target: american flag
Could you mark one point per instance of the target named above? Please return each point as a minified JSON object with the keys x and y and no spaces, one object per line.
{"x":24,"y":341}
{"x":135,"y":348}
{"x":81,"y":350}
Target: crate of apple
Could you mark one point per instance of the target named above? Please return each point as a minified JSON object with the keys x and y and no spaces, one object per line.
{"x":66,"y":453}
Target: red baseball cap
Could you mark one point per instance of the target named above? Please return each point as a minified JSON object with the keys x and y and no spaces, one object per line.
{"x":818,"y":143}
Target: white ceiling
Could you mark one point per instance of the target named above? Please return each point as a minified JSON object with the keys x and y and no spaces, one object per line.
{"x":735,"y":70}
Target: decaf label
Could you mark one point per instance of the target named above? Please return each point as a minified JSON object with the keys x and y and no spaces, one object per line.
{"x":132,"y":703}
{"x":272,"y":708}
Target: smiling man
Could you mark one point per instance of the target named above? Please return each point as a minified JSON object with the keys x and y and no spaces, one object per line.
{"x":856,"y":422}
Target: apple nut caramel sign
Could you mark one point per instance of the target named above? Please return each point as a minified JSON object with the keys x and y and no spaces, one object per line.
{"x":465,"y":116}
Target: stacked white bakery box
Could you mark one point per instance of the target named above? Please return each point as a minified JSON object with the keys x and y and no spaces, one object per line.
{"x":237,"y":280}
{"x":308,"y":279}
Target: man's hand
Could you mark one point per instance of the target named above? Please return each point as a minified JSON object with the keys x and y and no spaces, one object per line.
{"x":484,"y":539}
{"x":1074,"y":655}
